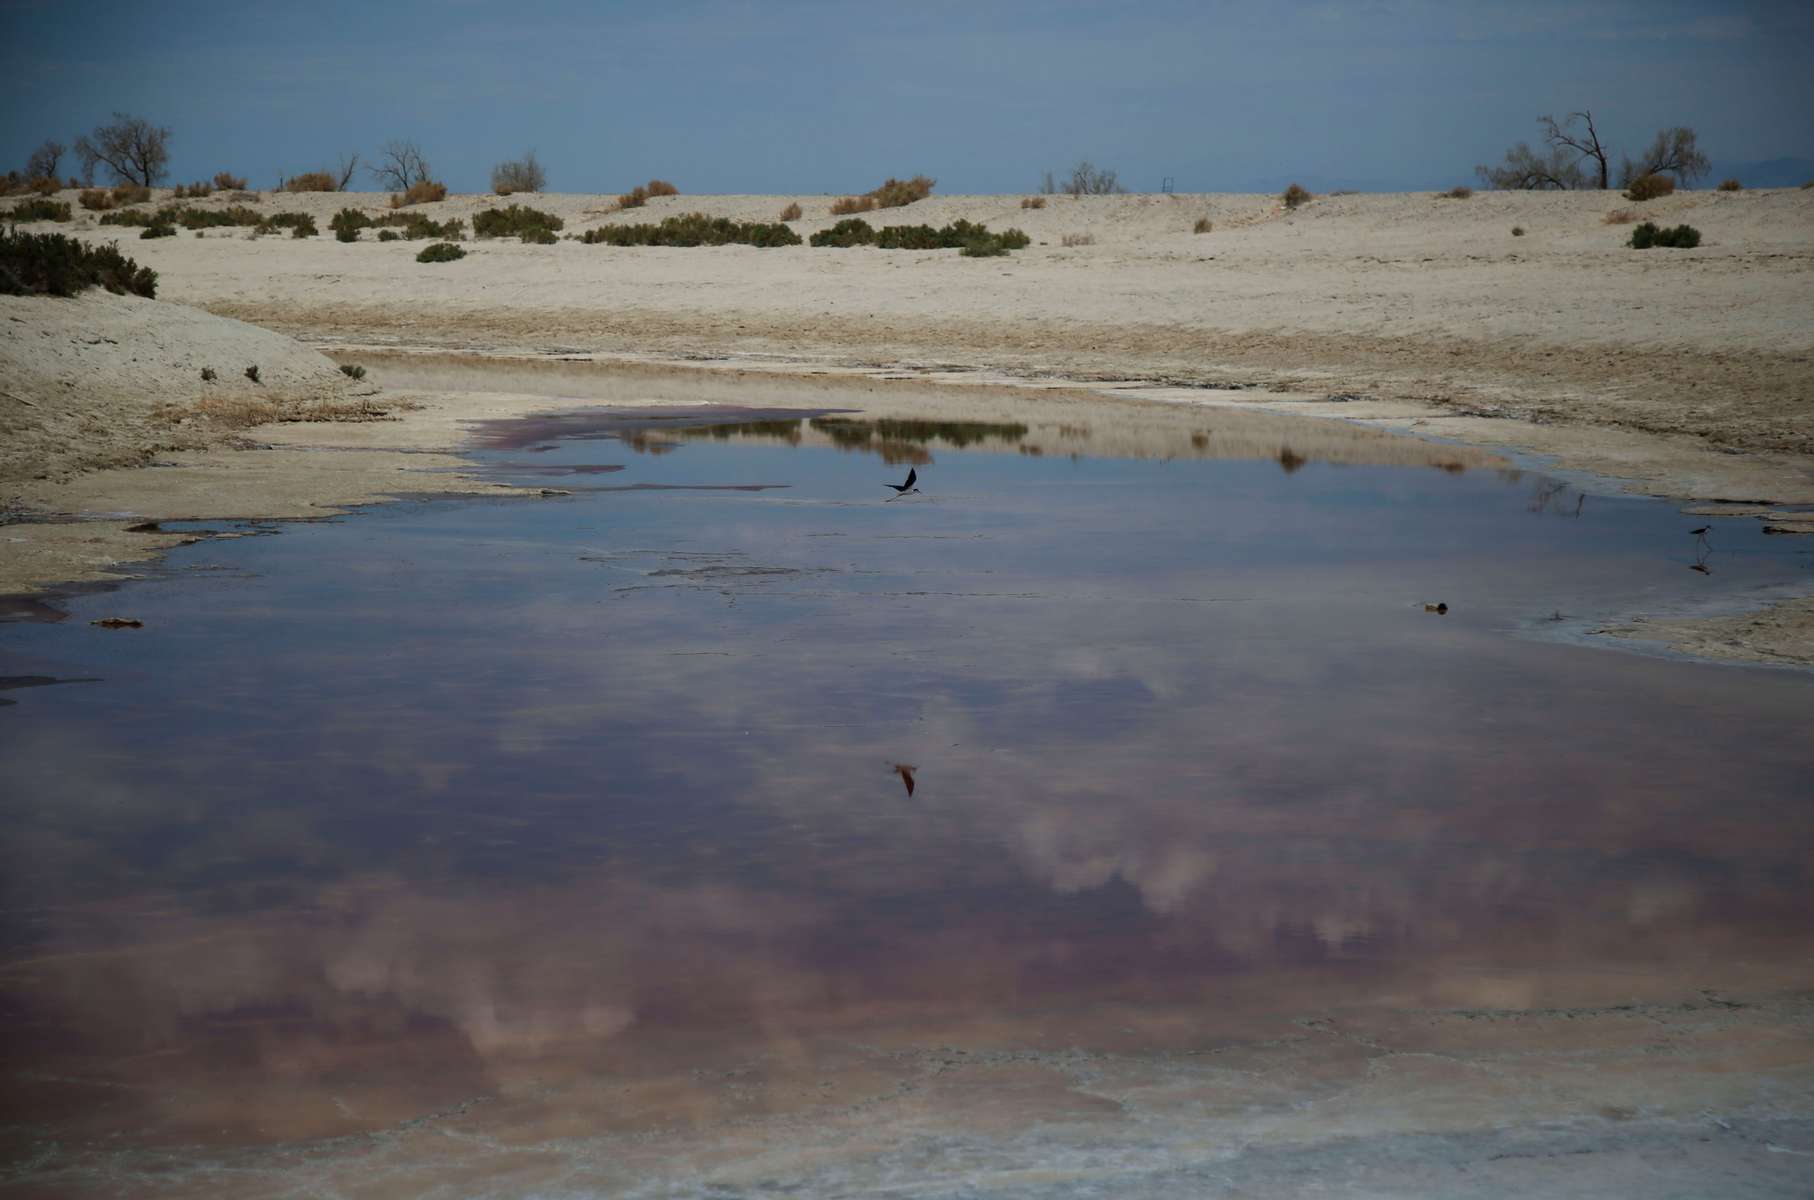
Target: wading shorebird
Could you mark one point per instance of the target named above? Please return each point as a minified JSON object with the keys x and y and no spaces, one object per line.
{"x":905,"y":489}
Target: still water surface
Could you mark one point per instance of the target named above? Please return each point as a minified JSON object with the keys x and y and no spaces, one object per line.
{"x":373,"y":812}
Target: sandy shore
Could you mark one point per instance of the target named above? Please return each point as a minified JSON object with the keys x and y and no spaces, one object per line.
{"x":1686,"y":374}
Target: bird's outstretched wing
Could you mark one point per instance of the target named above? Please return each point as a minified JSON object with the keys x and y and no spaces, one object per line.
{"x":912,"y":475}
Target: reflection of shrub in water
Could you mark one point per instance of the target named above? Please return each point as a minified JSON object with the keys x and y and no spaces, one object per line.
{"x":1290,"y":460}
{"x":853,"y":433}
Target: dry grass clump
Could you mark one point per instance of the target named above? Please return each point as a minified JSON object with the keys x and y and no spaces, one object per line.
{"x":1619,"y":216}
{"x":791,"y":213}
{"x":131,"y":193}
{"x":898,"y":193}
{"x":1033,"y":202}
{"x":638,"y":196}
{"x":852,"y":204}
{"x":424,"y":191}
{"x":1203,"y":225}
{"x":226,"y":181}
{"x":1460,"y":192}
{"x":1730,"y":185}
{"x":1650,"y":187}
{"x":1295,"y":195}
{"x":1077,"y":239}
{"x":193,"y":191}
{"x":311,"y":181}
{"x":95,"y":199}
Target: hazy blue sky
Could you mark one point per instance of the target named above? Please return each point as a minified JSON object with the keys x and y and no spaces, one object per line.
{"x":810,"y":96}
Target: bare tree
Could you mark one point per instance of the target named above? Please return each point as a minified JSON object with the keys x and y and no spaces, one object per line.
{"x":343,"y":174}
{"x":520,"y":175}
{"x":1671,"y":152}
{"x":1526,"y":170}
{"x":131,"y":148}
{"x":44,"y":160}
{"x":401,"y":165}
{"x":1087,"y":179}
{"x":1048,"y":185}
{"x":1585,"y":144}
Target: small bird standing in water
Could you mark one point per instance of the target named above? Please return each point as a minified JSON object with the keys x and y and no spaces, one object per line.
{"x":905,"y":770}
{"x":905,"y":489}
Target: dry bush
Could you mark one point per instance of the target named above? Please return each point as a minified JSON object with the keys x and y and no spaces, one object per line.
{"x":95,"y":199}
{"x":310,"y":181}
{"x":661,"y":187}
{"x":228,"y":182}
{"x":1033,"y":202}
{"x":1650,"y":187}
{"x":636,"y":197}
{"x":1730,"y":185}
{"x":852,"y":204}
{"x":1295,"y":195}
{"x":131,"y":193}
{"x":1807,"y":185}
{"x":1619,"y":216}
{"x":1203,"y":225}
{"x":898,"y":193}
{"x":1461,"y":192}
{"x":791,"y":213}
{"x":194,"y":191}
{"x":44,"y":186}
{"x":426,"y":191}
{"x":1077,"y":239}
{"x":524,"y":174}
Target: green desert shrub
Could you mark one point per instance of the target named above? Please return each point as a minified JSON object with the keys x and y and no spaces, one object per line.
{"x":350,"y":370}
{"x":157,"y":231}
{"x":56,"y":264}
{"x":347,"y":223}
{"x":1517,"y":231}
{"x":898,"y":193}
{"x":957,"y":235}
{"x":416,"y":227}
{"x":38,"y":209}
{"x":1295,"y":195}
{"x":538,"y":237}
{"x":984,"y":248}
{"x":389,"y":235}
{"x":300,"y":225}
{"x":440,"y":252}
{"x":132,"y":217}
{"x":694,"y":229}
{"x":1681,"y":237}
{"x":1730,"y":185}
{"x":1650,"y":187}
{"x":210,"y":218}
{"x":515,"y":221}
{"x":851,"y":231}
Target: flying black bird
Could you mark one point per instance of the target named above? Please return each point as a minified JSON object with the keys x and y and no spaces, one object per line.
{"x":905,"y":489}
{"x":905,"y":770}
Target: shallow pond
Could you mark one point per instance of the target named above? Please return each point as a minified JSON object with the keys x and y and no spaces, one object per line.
{"x":720,"y":754}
